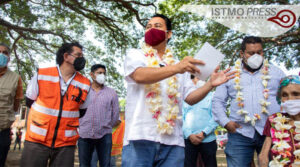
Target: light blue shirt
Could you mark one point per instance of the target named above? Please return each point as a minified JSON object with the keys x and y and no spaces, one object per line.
{"x":198,"y":118}
{"x":252,"y":90}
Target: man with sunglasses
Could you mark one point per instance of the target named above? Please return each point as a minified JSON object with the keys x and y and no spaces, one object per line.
{"x":57,"y":97}
{"x":11,"y":92}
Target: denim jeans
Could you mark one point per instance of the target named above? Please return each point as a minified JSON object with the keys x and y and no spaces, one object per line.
{"x":95,"y":160}
{"x":4,"y":145}
{"x":240,"y":149}
{"x":207,"y":151}
{"x":102,"y":146}
{"x":144,"y":153}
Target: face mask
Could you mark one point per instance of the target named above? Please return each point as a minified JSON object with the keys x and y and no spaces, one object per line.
{"x":255,"y":61}
{"x":200,"y":83}
{"x":100,"y":78}
{"x":3,"y":60}
{"x":292,"y":107}
{"x":79,"y":63}
{"x":154,"y":36}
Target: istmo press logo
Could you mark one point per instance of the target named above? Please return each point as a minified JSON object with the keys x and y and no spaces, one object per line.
{"x":257,"y":20}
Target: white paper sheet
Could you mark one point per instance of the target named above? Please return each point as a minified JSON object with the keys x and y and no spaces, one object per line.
{"x":211,"y":57}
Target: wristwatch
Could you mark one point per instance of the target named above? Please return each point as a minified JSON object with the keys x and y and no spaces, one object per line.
{"x":204,"y":134}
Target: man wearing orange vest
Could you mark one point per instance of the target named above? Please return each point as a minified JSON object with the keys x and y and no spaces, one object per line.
{"x":57,"y":96}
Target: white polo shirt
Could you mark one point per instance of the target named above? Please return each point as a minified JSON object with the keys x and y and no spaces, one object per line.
{"x":139,"y":122}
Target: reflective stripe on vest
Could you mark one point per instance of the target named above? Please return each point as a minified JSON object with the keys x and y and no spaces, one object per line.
{"x":38,"y":130}
{"x":48,"y":78}
{"x":70,"y":133}
{"x":53,"y":112}
{"x":81,"y":85}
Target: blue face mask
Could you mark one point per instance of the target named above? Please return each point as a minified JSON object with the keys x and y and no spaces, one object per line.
{"x":3,"y":60}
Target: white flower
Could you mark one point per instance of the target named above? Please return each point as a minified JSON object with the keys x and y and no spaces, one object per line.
{"x":297,"y":124}
{"x":266,"y":77}
{"x":242,"y":112}
{"x":276,"y":163}
{"x":264,"y":110}
{"x":297,"y":137}
{"x":253,"y":121}
{"x":237,"y":87}
{"x":280,"y":126}
{"x":281,"y":135}
{"x":247,"y":119}
{"x":264,"y":103}
{"x":281,"y":145}
{"x":281,"y":119}
{"x":297,"y":153}
{"x":265,"y":83}
{"x":237,"y":80}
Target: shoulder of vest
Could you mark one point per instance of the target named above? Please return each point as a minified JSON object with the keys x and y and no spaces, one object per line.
{"x":48,"y":71}
{"x":82,"y":78}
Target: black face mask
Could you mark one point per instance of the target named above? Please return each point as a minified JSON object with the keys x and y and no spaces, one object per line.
{"x":79,"y":63}
{"x":248,"y":68}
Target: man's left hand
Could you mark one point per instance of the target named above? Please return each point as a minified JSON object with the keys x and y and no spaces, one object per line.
{"x":201,"y":135}
{"x":219,"y":77}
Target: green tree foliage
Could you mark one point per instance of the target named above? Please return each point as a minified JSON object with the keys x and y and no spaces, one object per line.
{"x":36,"y":28}
{"x":192,"y":31}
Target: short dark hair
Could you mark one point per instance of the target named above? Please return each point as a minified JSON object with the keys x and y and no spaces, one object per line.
{"x":97,"y":66}
{"x":65,"y":48}
{"x":7,"y":47}
{"x":250,"y":39}
{"x":167,"y":20}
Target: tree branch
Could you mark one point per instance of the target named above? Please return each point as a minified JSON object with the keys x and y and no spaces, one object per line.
{"x":31,"y":30}
{"x":3,"y":2}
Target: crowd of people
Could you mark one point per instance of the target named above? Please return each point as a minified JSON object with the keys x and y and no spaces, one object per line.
{"x":170,"y":115}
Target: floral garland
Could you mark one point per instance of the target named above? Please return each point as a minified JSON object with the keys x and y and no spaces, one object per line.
{"x":282,"y":132}
{"x":239,"y":95}
{"x":165,"y":124}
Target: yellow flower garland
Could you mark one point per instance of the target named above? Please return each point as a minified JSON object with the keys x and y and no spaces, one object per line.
{"x":165,"y":124}
{"x":239,"y":95}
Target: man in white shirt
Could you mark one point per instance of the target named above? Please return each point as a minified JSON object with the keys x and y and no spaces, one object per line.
{"x":157,"y":85}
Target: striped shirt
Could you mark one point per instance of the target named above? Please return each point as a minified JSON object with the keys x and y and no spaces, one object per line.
{"x":101,"y":115}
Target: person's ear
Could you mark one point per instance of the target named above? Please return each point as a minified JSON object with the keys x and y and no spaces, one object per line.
{"x":65,"y":56}
{"x":241,"y":54}
{"x":169,"y":34}
{"x":92,"y":75}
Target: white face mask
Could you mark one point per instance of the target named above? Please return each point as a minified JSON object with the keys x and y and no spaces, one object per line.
{"x":100,"y":78}
{"x":255,"y":61}
{"x":292,"y":107}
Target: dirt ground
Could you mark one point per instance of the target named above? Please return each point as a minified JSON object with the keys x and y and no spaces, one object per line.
{"x":13,"y":158}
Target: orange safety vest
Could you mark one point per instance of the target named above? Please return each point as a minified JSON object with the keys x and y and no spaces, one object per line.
{"x":54,"y":118}
{"x":117,"y":139}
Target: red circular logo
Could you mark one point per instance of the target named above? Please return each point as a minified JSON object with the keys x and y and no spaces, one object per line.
{"x":284,"y":18}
